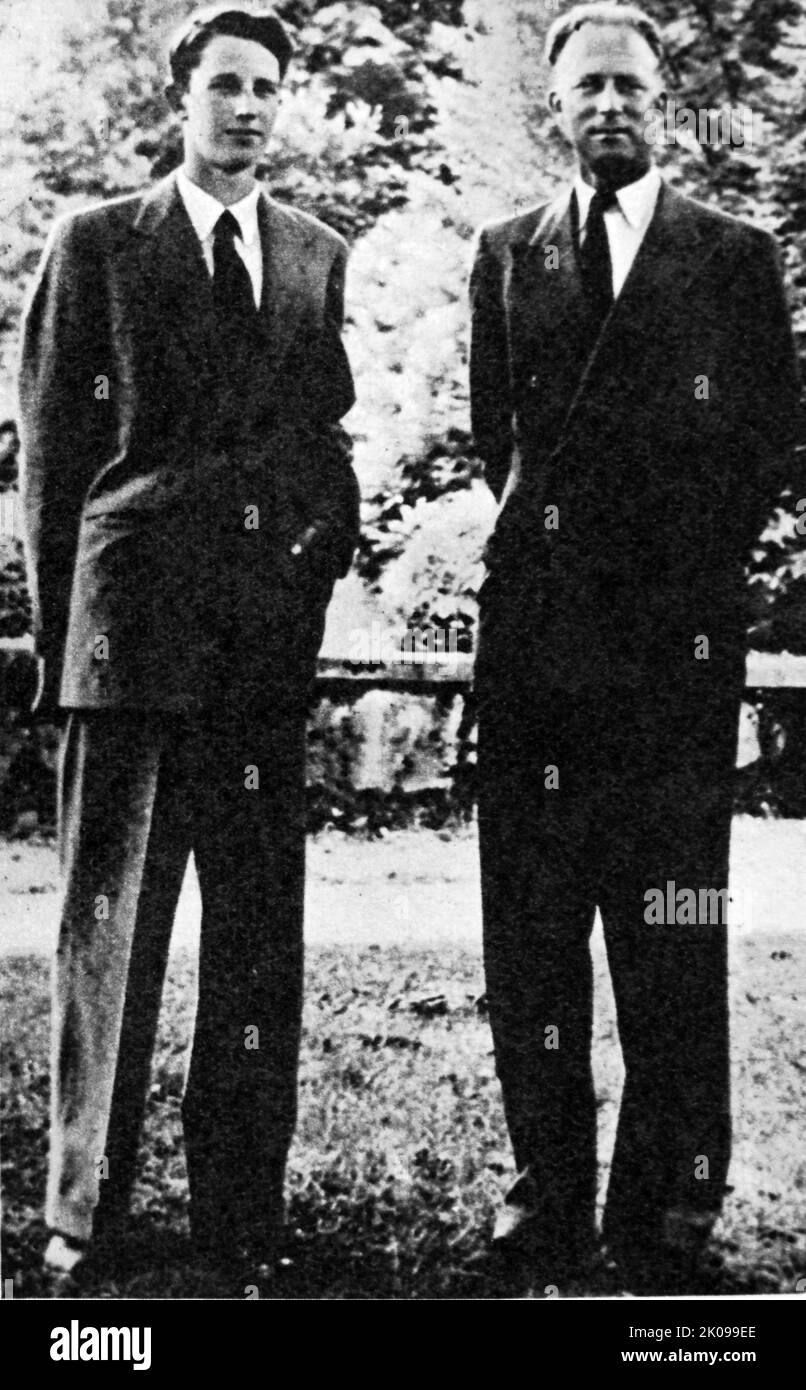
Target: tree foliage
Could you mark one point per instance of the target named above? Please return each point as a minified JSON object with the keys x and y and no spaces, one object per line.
{"x":94,"y":123}
{"x":722,"y":54}
{"x":405,"y":126}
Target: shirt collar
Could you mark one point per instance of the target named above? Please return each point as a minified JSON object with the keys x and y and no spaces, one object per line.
{"x":204,"y":210}
{"x":636,"y":200}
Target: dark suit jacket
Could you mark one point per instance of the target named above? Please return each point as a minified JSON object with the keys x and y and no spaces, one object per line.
{"x":136,"y":504}
{"x":663,"y":442}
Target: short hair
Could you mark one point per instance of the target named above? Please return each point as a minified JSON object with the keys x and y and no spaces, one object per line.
{"x":602,"y":12}
{"x":192,"y":37}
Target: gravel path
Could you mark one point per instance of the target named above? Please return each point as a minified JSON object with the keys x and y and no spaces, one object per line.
{"x":417,"y":887}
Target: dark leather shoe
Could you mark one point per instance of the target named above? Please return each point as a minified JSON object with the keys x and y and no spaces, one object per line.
{"x":522,"y":1260}
{"x":70,"y":1265}
{"x":243,"y":1268}
{"x":270,"y":1276}
{"x":669,"y":1259}
{"x":665,"y":1271}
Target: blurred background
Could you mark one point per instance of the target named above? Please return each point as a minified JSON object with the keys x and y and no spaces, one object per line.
{"x":405,"y":126}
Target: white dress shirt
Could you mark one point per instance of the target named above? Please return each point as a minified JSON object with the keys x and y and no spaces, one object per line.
{"x":625,"y":224}
{"x":204,"y":211}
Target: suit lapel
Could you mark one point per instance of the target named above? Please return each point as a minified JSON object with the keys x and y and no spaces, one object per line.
{"x":674,"y":253}
{"x":547,"y":296}
{"x":173,"y":276}
{"x":175,"y":283}
{"x":284,"y":268}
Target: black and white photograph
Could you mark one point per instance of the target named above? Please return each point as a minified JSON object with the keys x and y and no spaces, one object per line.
{"x":403,"y":661}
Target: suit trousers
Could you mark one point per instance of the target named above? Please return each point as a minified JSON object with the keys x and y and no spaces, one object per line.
{"x":594,"y":798}
{"x":138,"y":792}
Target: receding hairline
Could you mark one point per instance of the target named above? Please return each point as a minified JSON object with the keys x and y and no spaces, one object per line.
{"x":602,"y":15}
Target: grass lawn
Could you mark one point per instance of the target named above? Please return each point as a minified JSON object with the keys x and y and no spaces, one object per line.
{"x":401,"y":1153}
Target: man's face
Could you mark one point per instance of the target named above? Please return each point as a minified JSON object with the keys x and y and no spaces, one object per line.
{"x":606,"y":80}
{"x":230,"y":106}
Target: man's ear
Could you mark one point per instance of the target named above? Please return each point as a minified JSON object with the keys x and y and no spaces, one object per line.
{"x":658,"y":104}
{"x":175,"y":97}
{"x":554,"y":102}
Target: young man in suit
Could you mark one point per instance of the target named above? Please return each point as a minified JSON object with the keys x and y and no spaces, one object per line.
{"x":634,"y":389}
{"x":189,"y":503}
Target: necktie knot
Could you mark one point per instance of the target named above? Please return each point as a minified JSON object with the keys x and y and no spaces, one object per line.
{"x":232,"y":284}
{"x":227,"y":227}
{"x":602,"y":201}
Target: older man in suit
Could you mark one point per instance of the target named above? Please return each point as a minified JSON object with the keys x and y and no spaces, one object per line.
{"x":633,"y":390}
{"x":189,"y":503}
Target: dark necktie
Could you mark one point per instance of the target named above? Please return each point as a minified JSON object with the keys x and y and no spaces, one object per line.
{"x":232,"y":286}
{"x":594,"y":256}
